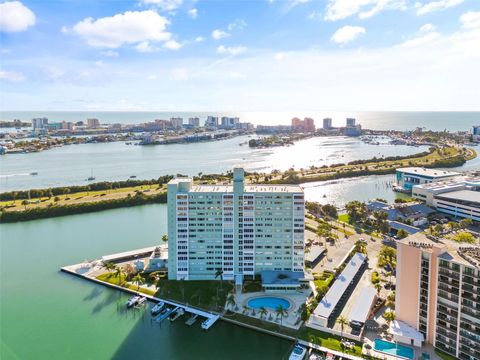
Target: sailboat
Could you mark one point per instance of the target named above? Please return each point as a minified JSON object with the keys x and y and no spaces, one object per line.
{"x":91,"y":177}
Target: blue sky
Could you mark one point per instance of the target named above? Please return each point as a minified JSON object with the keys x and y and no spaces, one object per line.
{"x":240,"y":55}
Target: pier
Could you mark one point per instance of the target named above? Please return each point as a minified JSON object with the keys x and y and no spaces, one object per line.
{"x":210,"y":318}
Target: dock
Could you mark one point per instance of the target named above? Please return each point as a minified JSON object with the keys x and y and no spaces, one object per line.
{"x":191,"y":320}
{"x":82,"y":271}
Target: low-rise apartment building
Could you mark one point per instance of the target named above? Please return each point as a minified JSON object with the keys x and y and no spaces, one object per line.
{"x":238,"y":229}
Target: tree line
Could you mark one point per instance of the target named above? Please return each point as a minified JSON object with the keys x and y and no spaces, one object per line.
{"x":63,"y":190}
{"x":71,"y":209}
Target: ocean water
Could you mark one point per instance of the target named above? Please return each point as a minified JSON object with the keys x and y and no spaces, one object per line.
{"x":381,"y":120}
{"x":73,"y":164}
{"x":49,"y":315}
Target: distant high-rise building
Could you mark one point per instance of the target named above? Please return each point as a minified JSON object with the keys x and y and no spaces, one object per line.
{"x":93,"y":123}
{"x":350,"y":121}
{"x":194,"y":121}
{"x":327,"y":123}
{"x":229,"y":122}
{"x":176,"y":122}
{"x":305,"y":125}
{"x":211,"y":122}
{"x":39,"y":123}
{"x":476,"y":132}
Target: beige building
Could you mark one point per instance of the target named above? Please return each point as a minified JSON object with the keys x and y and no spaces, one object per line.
{"x":438,"y":293}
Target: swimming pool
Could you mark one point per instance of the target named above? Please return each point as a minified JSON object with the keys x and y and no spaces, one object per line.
{"x":391,"y":348}
{"x":269,"y":302}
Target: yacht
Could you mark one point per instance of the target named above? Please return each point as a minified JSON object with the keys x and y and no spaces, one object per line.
{"x":298,"y":352}
{"x":133,"y":301}
{"x":34,"y":173}
{"x":133,"y":176}
{"x":157,"y":308}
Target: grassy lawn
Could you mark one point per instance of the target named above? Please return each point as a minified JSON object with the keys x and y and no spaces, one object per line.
{"x":262,"y":324}
{"x":112,"y":279}
{"x":344,"y":218}
{"x":326,"y":340}
{"x":324,"y":280}
{"x":81,"y":197}
{"x":444,"y":355}
{"x":200,"y":293}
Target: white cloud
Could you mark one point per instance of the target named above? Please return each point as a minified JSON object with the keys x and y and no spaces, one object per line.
{"x":470,"y":20}
{"x":237,"y":24}
{"x":427,"y":28}
{"x":132,"y":27}
{"x":199,"y":39}
{"x":193,"y":13}
{"x":315,"y":15}
{"x":145,"y":47}
{"x":12,"y":76}
{"x":347,"y":33}
{"x":232,"y":51}
{"x":166,"y":5}
{"x":172,"y":45}
{"x":15,"y":17}
{"x":436,"y":6}
{"x":422,"y":39}
{"x":218,"y":34}
{"x":341,"y":9}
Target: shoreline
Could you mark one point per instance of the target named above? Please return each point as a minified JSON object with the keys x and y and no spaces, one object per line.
{"x":45,"y":207}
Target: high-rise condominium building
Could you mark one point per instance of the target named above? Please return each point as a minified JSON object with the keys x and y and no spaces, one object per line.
{"x":176,"y":122}
{"x":194,"y":121}
{"x":238,"y":229}
{"x":39,"y":123}
{"x":327,"y":123}
{"x":438,"y":293}
{"x":93,"y":123}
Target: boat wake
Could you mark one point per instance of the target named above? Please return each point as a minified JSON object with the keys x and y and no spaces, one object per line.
{"x":12,"y":175}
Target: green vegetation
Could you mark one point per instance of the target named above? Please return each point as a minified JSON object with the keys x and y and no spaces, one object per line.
{"x":80,"y":208}
{"x":444,"y":355}
{"x":323,"y":280}
{"x":327,"y":340}
{"x":387,"y":257}
{"x":99,"y":186}
{"x":206,"y":294}
{"x":464,"y":236}
{"x":344,"y":218}
{"x":319,"y":210}
{"x":252,"y":286}
{"x":375,"y":278}
{"x":402,"y":234}
{"x":121,"y":281}
{"x":436,"y":157}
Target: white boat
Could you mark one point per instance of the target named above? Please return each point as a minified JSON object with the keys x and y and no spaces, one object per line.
{"x":176,"y":314}
{"x":157,"y":308}
{"x":141,"y":301}
{"x":298,"y":352}
{"x":133,"y":301}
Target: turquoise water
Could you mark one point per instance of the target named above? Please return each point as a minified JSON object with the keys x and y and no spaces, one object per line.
{"x":270,"y":302}
{"x":390,"y":348}
{"x":45,"y":314}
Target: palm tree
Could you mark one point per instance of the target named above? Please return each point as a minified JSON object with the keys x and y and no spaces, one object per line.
{"x":280,"y":311}
{"x":378,"y":287}
{"x":231,"y":300}
{"x":108,"y":265}
{"x":25,"y":203}
{"x":118,"y":272}
{"x":342,"y":320}
{"x":263,"y":312}
{"x":138,"y":279}
{"x":219,"y":273}
{"x":245,"y":309}
{"x":165,"y":238}
{"x":389,"y":316}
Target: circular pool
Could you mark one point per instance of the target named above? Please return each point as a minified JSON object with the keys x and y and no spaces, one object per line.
{"x":269,"y":302}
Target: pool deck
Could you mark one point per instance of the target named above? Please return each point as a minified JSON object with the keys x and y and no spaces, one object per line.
{"x":292,"y":320}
